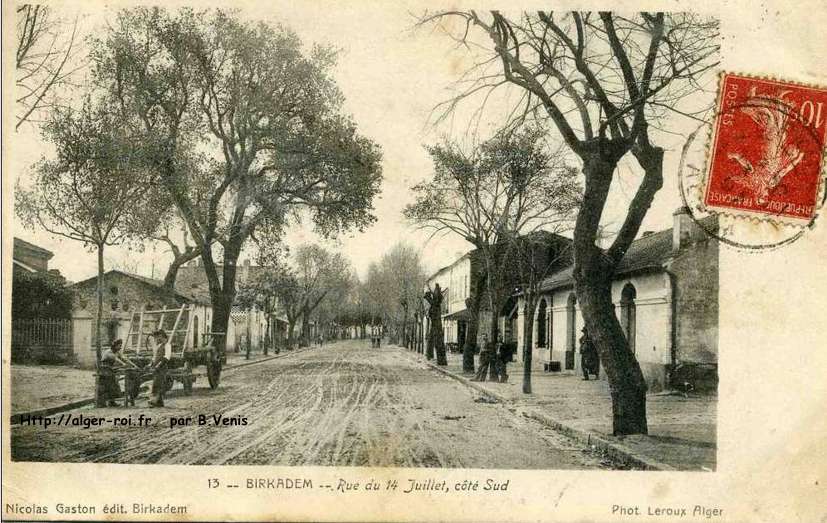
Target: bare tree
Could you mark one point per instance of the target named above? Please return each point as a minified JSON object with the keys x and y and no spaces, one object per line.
{"x":533,"y":258}
{"x":319,"y":273}
{"x":436,"y":339}
{"x":604,"y":81}
{"x":510,"y":185}
{"x":44,"y":59}
{"x":395,"y":284}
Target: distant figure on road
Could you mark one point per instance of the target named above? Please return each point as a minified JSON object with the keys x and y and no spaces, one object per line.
{"x":111,"y":358}
{"x":161,"y":353}
{"x":589,"y":361}
{"x":505,"y":353}
{"x":487,"y":360}
{"x":375,"y":336}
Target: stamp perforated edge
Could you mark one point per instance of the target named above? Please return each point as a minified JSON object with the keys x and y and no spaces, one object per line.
{"x":753,"y":216}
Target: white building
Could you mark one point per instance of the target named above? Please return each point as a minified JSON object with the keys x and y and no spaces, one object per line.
{"x":666,"y":298}
{"x":455,"y":282}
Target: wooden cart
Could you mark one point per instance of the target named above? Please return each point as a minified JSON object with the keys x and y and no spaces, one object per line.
{"x":187,"y":353}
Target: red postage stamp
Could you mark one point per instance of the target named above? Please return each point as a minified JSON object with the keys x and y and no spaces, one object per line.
{"x":767,"y":149}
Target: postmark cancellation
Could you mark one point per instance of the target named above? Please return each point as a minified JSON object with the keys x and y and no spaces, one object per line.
{"x":766,"y":159}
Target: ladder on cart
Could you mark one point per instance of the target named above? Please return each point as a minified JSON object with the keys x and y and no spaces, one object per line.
{"x":175,"y":322}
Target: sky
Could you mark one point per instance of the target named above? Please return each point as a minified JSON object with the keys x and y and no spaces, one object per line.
{"x":392,"y":76}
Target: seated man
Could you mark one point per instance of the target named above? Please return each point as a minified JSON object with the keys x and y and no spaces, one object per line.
{"x":161,"y":353}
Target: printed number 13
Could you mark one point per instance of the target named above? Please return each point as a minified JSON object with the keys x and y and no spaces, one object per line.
{"x":212,"y":483}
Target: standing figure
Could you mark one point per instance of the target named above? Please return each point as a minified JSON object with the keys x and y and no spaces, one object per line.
{"x":161,"y":353}
{"x":506,"y":352}
{"x":487,"y":360}
{"x":589,"y":361}
{"x":110,"y":359}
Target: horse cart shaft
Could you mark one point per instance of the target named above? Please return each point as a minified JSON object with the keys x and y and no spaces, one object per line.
{"x":187,"y":351}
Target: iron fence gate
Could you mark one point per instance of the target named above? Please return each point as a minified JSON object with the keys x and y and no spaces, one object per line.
{"x":42,"y":341}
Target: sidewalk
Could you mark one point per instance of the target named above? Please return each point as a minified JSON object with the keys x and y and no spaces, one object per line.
{"x":682,"y":430}
{"x":43,"y":387}
{"x":36,"y":387}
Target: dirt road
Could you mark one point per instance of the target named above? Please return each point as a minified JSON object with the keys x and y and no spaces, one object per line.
{"x":343,"y":404}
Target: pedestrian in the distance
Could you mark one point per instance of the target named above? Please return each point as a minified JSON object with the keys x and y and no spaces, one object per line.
{"x":161,"y":353}
{"x":506,"y":352}
{"x":487,"y":360}
{"x":589,"y":361}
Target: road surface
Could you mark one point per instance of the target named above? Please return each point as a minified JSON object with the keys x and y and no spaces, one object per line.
{"x":342,"y":404}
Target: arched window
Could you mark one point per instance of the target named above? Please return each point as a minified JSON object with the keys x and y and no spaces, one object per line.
{"x":571,"y":330}
{"x":542,"y":312}
{"x":627,"y":314}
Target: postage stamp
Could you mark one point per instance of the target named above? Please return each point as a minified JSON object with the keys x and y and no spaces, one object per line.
{"x":767,"y":151}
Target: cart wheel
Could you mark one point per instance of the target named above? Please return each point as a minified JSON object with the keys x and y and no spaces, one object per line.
{"x":188,"y":379}
{"x":214,"y":373}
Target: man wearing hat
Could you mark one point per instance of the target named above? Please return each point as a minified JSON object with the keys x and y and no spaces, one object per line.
{"x":161,"y":353}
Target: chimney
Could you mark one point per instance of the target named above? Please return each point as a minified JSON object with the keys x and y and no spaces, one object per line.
{"x":682,"y":228}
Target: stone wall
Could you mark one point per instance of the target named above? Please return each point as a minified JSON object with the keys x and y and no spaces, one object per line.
{"x":121,"y":294}
{"x":696,"y":299}
{"x":695,"y":270}
{"x":653,"y":340}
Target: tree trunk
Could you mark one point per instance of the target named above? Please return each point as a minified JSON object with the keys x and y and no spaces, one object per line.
{"x":221,"y":295}
{"x":100,"y":401}
{"x":429,"y":341}
{"x":497,"y":303}
{"x":474,"y":304}
{"x":221,"y":308}
{"x":405,"y":334}
{"x":495,"y":295}
{"x":177,"y":263}
{"x":593,"y":274}
{"x":528,"y":340}
{"x":291,"y":328}
{"x":304,"y":335}
{"x":267,"y":335}
{"x":439,"y":344}
{"x":628,"y":387}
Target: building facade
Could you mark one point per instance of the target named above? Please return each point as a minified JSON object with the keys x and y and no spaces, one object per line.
{"x":666,"y":299}
{"x":248,"y":325}
{"x":455,"y":281}
{"x":546,"y":251}
{"x":30,"y":257}
{"x":123,"y":295}
{"x":40,"y":308}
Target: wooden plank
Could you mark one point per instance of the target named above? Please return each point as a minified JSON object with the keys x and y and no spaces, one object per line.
{"x":161,"y":320}
{"x":175,"y":325}
{"x":140,"y":331}
{"x":189,"y":325}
